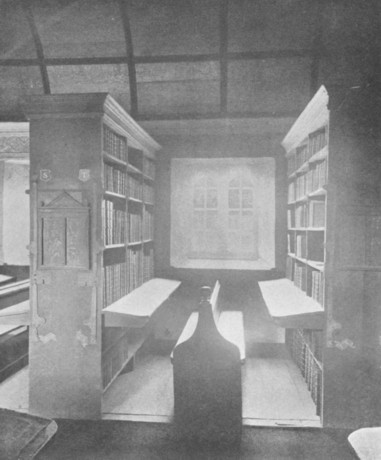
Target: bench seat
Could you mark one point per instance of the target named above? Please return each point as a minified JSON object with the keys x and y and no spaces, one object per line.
{"x":230,"y":326}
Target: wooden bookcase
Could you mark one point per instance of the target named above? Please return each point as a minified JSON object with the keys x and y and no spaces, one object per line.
{"x":329,"y":301}
{"x":92,"y":172}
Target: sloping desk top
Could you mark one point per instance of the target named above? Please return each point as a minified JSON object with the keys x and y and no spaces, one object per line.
{"x":16,"y":315}
{"x":290,"y":307}
{"x":4,"y":279}
{"x":14,"y":288}
{"x":22,"y":436}
{"x":136,"y":308}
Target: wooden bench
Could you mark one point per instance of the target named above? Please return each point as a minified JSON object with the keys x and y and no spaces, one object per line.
{"x":207,"y":379}
{"x":229,"y":324}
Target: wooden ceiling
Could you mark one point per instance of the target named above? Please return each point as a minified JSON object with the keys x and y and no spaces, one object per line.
{"x":187,"y":59}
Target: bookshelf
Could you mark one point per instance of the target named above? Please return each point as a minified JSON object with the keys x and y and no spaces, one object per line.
{"x":92,"y":244}
{"x":329,"y":301}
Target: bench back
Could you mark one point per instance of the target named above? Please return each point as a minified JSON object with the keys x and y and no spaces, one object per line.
{"x":212,"y":296}
{"x":207,"y":380}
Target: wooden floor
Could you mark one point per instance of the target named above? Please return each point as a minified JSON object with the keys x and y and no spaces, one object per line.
{"x":274,"y":392}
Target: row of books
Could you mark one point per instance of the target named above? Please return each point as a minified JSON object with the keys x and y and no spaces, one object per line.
{"x":114,"y":224}
{"x":300,"y":276}
{"x":316,"y":176}
{"x":147,"y":225}
{"x":121,"y":278}
{"x":148,"y":264}
{"x":135,"y":268}
{"x":301,"y":246}
{"x":149,"y":168}
{"x":301,"y":216}
{"x":308,"y":359}
{"x":134,"y":228}
{"x":134,"y":188}
{"x":317,"y":286}
{"x":316,"y":142}
{"x":311,"y":215}
{"x":115,"y":283}
{"x":115,"y":180}
{"x":314,"y":179}
{"x":114,"y":359}
{"x":149,"y":193}
{"x":114,"y":144}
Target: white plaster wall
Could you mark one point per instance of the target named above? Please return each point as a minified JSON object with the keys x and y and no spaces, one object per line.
{"x":15,"y":217}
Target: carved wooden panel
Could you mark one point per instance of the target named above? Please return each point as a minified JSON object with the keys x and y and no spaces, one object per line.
{"x":64,"y":234}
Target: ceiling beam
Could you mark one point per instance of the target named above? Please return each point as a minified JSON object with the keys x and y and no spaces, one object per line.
{"x":178,"y":58}
{"x":123,"y":6}
{"x":218,"y":116}
{"x":27,"y":7}
{"x":223,"y":34}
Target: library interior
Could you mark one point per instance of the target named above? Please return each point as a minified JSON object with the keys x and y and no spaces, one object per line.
{"x":190,"y":229}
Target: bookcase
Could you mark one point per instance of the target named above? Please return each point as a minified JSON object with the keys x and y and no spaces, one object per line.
{"x":329,"y":301}
{"x":92,"y":171}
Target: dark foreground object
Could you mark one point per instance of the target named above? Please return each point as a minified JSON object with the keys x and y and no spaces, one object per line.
{"x":22,"y":435}
{"x":207,"y":384}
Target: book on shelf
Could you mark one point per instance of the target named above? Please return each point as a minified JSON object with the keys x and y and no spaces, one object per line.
{"x":114,"y":180}
{"x":301,"y":187}
{"x":301,"y":246}
{"x":301,"y":155}
{"x":300,"y":276}
{"x":147,"y":225}
{"x":135,"y":272}
{"x":317,"y":286}
{"x":114,"y":224}
{"x":301,"y":216}
{"x":317,"y":141}
{"x":114,"y":144}
{"x":317,"y":213}
{"x":134,"y":228}
{"x":148,"y":264}
{"x":134,"y":188}
{"x":114,"y":282}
